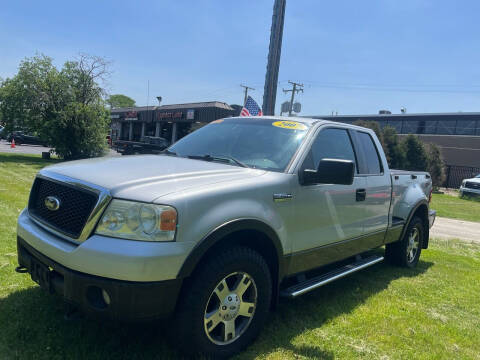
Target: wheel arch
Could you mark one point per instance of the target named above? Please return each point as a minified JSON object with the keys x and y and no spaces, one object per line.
{"x":421,"y":210}
{"x":246,"y":232}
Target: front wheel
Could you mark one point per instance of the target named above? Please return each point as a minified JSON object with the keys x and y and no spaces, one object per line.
{"x":406,"y":252}
{"x":225,"y":304}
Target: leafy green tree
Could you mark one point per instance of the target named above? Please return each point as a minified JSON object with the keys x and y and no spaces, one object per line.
{"x":417,"y":159}
{"x":436,"y":166}
{"x":120,"y":101}
{"x":66,"y":107}
{"x":394,"y":149}
{"x":35,"y":93}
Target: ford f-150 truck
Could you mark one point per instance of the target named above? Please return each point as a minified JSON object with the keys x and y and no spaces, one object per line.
{"x":227,"y":220}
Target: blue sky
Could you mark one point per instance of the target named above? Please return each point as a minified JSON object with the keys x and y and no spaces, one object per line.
{"x":353,"y":56}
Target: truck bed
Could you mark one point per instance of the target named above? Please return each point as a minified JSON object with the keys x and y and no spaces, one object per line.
{"x":408,"y":185}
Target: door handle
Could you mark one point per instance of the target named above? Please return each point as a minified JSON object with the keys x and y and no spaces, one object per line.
{"x":361,"y":194}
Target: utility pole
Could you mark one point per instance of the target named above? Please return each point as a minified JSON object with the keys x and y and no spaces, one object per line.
{"x":274,"y":51}
{"x":246,"y":93}
{"x":293,"y":90}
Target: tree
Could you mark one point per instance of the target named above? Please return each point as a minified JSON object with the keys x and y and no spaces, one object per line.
{"x":394,"y":150}
{"x":416,"y":154}
{"x":66,"y":108}
{"x":436,"y":166}
{"x":35,"y":93}
{"x":120,"y":101}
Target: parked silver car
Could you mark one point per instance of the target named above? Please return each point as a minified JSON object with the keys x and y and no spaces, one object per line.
{"x":216,"y":229}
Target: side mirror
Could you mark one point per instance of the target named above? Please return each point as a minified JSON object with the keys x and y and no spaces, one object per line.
{"x":330,"y":171}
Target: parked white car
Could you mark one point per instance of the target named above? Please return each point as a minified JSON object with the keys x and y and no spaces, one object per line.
{"x":470,"y":186}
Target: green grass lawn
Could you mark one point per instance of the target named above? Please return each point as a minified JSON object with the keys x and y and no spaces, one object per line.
{"x":456,"y":208}
{"x":383,"y":312}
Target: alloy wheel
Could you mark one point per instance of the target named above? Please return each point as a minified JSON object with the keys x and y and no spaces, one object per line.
{"x":230,"y":308}
{"x":413,"y":244}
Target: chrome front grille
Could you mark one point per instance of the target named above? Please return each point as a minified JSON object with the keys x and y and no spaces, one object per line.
{"x":472,"y":185}
{"x":79,"y":205}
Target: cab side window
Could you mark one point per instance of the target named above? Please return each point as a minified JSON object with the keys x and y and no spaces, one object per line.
{"x":330,"y":144}
{"x":372,"y":159}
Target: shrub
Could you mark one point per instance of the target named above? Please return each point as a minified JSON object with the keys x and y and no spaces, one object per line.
{"x":435,"y":165}
{"x":80,"y":131}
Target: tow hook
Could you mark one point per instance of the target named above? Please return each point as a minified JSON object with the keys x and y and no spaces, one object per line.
{"x":21,"y":269}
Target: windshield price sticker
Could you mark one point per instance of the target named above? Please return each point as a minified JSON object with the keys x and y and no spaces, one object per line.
{"x":292,"y":125}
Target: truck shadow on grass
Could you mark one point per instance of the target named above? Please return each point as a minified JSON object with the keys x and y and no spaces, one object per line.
{"x":32,"y":323}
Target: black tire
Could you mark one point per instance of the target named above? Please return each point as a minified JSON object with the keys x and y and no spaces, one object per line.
{"x":400,"y":252}
{"x":190,"y":333}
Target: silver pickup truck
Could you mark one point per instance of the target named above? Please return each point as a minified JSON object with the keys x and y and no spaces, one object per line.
{"x":227,"y":220}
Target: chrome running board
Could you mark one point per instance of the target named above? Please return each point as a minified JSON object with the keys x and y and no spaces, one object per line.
{"x":313,"y":283}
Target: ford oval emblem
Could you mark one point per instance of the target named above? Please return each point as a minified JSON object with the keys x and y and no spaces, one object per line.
{"x":52,"y":203}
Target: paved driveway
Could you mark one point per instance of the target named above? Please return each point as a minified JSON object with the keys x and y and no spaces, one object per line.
{"x":455,"y":229}
{"x":34,"y":149}
{"x":22,"y":149}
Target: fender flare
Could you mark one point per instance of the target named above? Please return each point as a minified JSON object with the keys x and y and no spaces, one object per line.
{"x":410,"y":216}
{"x":226,"y":229}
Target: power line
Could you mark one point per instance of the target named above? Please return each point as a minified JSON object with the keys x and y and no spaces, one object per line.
{"x":432,"y":88}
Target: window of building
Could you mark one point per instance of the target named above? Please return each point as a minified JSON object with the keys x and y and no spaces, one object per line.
{"x":397,"y":124}
{"x":465,"y":127}
{"x":446,"y":127}
{"x":410,"y":127}
{"x":430,"y":127}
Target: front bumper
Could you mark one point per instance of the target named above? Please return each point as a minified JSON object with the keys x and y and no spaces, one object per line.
{"x":465,"y":190}
{"x":126,"y":300}
{"x":107,"y":257}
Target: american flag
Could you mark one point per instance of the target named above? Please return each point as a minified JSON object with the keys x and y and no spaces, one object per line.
{"x":251,"y":108}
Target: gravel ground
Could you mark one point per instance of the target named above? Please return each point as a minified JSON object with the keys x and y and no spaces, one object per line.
{"x":22,"y":149}
{"x":455,"y":229}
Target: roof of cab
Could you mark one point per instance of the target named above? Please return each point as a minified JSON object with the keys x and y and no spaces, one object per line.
{"x":308,"y":121}
{"x":304,"y":120}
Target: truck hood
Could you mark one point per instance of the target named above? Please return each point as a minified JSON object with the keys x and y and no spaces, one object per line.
{"x":148,"y":177}
{"x":474,"y":180}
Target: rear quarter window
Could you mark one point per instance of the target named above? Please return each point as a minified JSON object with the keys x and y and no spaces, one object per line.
{"x":373,"y":164}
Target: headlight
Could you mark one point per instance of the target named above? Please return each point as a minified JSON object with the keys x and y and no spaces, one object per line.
{"x":138,"y":221}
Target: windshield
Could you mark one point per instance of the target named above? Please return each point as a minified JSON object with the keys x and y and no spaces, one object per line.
{"x":478,"y":176}
{"x":253,"y":142}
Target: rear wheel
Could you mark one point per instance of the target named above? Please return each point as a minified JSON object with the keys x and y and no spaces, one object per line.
{"x":406,"y":252}
{"x":224,"y":305}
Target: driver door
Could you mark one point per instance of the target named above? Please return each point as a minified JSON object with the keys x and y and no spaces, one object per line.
{"x":328,"y":215}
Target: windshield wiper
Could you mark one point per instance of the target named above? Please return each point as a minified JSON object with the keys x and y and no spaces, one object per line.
{"x":169,"y":152}
{"x":222,"y":158}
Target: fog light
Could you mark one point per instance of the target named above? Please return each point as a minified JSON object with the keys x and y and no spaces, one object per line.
{"x":106,"y":297}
